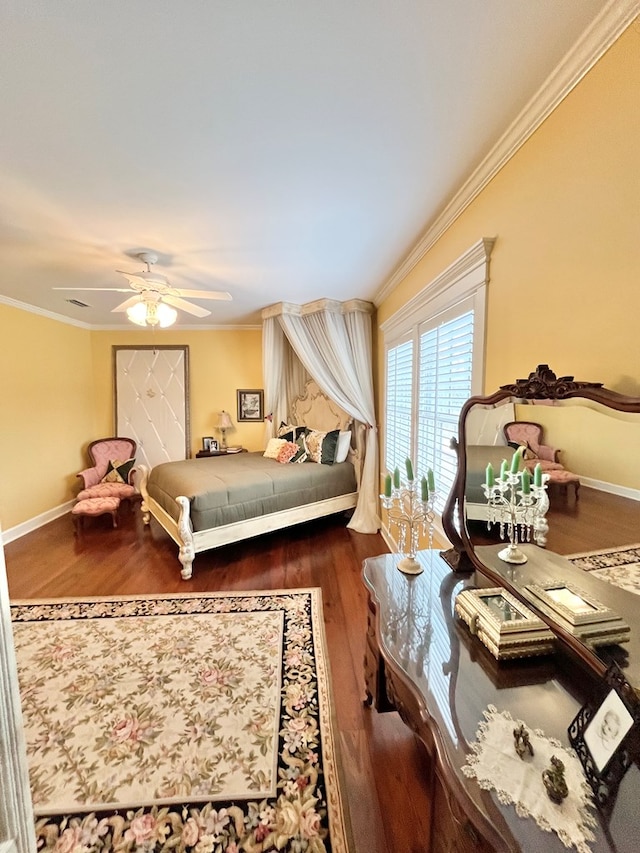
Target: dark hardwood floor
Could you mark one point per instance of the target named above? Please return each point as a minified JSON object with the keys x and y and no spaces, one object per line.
{"x":385,"y":769}
{"x":596,"y":521}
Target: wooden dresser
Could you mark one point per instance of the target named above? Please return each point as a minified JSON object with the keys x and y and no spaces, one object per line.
{"x":422,"y":661}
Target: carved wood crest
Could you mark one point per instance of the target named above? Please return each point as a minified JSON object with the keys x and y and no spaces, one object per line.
{"x":544,"y":384}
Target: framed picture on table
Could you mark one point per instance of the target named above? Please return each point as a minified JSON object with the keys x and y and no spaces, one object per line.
{"x":206,"y":443}
{"x":606,"y":736}
{"x":250,"y":405}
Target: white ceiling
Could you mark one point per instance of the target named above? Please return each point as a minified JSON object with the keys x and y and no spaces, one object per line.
{"x":275,"y":149}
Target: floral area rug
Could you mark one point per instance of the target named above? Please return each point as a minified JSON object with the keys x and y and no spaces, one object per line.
{"x":186,"y":723}
{"x":619,"y":566}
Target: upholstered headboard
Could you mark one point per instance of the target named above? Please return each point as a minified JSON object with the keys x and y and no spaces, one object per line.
{"x":315,"y":410}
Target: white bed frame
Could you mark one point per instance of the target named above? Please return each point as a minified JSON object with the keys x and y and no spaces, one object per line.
{"x":314,"y":410}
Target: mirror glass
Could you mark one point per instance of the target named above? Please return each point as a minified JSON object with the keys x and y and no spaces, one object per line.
{"x":601,"y":446}
{"x":597,"y":434}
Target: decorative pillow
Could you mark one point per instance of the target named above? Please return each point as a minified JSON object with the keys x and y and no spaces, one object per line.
{"x":527,"y":453}
{"x":118,"y":471}
{"x":291,"y":432}
{"x":321,"y":446}
{"x":287,"y":452}
{"x":342,"y":448}
{"x":301,"y":455}
{"x":274,"y":446}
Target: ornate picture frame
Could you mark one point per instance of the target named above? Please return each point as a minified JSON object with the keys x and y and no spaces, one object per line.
{"x":503,"y":624}
{"x":579,"y":612}
{"x":606,"y":736}
{"x":250,"y":405}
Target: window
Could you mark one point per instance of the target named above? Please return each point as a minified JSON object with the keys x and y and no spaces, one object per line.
{"x":434,"y":360}
{"x":444,"y":384}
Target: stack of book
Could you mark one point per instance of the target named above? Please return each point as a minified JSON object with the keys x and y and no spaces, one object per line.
{"x":236,"y":448}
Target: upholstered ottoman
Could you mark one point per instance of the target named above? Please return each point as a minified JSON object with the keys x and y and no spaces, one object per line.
{"x":122,"y":491}
{"x":564,"y":479}
{"x":94,"y":507}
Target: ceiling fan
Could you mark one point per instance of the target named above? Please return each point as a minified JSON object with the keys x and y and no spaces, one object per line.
{"x":155,"y":299}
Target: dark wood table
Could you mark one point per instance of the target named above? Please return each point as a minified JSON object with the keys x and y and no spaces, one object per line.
{"x":421,"y":660}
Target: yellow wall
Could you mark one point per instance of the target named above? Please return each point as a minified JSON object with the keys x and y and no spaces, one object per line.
{"x":565,"y":210}
{"x":47,"y":412}
{"x":57,"y":396}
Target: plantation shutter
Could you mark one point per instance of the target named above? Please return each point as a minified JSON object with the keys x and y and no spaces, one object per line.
{"x":444,"y":384}
{"x":399,"y":404}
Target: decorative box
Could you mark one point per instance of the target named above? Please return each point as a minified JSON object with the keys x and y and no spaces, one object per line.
{"x":503,"y":624}
{"x":579,"y":613}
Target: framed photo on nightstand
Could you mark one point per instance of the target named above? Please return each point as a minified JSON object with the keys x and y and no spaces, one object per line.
{"x":206,"y":443}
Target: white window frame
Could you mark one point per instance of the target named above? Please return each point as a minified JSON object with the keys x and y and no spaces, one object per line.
{"x":462,"y":285}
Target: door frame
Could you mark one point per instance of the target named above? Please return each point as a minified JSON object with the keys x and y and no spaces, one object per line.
{"x":16,"y":809}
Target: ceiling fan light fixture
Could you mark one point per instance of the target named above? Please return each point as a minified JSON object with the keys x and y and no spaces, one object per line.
{"x":152,"y":313}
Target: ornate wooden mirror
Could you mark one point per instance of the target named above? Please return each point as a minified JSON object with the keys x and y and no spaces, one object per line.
{"x":598,"y":431}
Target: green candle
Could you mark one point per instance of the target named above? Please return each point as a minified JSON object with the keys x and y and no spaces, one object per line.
{"x":526,"y":481}
{"x":425,"y":490}
{"x":537,"y":475}
{"x":490,"y":478}
{"x":503,"y":469}
{"x":515,"y":461}
{"x":409,"y":465}
{"x":431,"y":480}
{"x":387,"y":486}
{"x":396,"y":478}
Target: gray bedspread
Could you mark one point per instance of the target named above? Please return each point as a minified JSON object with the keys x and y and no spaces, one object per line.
{"x":244,"y":485}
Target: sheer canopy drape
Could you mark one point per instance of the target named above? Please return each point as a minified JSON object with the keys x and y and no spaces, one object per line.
{"x":331,"y":343}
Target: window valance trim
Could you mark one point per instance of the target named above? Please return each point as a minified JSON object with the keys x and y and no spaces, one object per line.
{"x":463,"y":278}
{"x":332,"y":305}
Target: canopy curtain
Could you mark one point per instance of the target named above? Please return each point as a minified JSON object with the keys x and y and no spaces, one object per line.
{"x":332,"y":342}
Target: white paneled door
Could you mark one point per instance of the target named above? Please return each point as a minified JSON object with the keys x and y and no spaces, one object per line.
{"x":152,"y":401}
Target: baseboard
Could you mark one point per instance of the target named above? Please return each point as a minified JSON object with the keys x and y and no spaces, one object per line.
{"x":611,"y":488}
{"x":34,"y":523}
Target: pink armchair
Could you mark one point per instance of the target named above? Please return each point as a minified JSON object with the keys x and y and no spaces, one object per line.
{"x":101,"y":453}
{"x":529,"y":434}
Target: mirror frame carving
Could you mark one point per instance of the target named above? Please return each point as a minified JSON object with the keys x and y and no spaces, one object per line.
{"x":542,"y":384}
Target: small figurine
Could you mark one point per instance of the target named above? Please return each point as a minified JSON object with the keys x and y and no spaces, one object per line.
{"x":554,"y":781}
{"x":521,"y":741}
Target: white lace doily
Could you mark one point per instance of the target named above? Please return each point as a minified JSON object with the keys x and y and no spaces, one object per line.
{"x":496,"y":765}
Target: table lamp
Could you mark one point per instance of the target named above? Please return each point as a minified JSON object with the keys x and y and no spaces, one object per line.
{"x":224,"y":423}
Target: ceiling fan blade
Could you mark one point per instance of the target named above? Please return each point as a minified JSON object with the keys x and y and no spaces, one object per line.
{"x":196,"y":310}
{"x":126,"y":304}
{"x":145,"y":278}
{"x":90,"y":289}
{"x":205,"y":294}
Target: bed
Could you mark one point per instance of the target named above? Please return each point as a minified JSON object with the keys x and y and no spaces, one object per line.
{"x":208,"y":502}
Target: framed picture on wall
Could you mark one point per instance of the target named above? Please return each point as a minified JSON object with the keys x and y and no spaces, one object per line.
{"x":250,"y":404}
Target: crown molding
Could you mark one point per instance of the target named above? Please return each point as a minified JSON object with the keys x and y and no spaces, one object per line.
{"x":178,"y":327}
{"x":609,"y":25}
{"x":50,"y":315}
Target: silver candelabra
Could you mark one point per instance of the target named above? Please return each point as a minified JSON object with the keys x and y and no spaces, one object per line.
{"x":519,"y":506}
{"x":410,"y":507}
